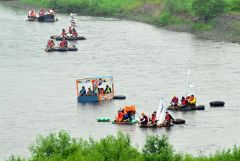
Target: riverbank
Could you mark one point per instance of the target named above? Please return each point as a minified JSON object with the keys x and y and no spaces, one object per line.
{"x":60,"y":146}
{"x":176,"y":16}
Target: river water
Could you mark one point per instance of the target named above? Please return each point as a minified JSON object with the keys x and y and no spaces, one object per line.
{"x":37,"y":89}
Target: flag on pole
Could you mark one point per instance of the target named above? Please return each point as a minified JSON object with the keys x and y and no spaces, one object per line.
{"x":161,"y":111}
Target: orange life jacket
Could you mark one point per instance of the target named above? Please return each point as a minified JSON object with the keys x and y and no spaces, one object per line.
{"x":119,"y":116}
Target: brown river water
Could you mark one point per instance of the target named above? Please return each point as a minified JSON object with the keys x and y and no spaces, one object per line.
{"x":37,"y":89}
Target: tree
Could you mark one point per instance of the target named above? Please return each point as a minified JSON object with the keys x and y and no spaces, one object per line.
{"x":208,"y":9}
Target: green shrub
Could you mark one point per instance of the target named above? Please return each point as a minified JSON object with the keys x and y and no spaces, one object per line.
{"x":208,"y":9}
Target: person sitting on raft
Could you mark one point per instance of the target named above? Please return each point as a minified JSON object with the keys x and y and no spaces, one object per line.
{"x":89,"y":92}
{"x":174,"y":101}
{"x":153,"y":118}
{"x":50,"y":44}
{"x":83,"y":91}
{"x":192,"y":101}
{"x":64,"y":33}
{"x":42,"y":12}
{"x":144,"y":119}
{"x":119,"y":117}
{"x":32,"y":13}
{"x":50,"y":12}
{"x":168,"y":119}
{"x":107,"y":90}
{"x":74,"y":33}
{"x":183,"y":102}
{"x":63,"y":43}
{"x":70,"y":31}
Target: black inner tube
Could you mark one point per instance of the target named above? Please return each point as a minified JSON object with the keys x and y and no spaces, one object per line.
{"x":217,"y":104}
{"x":120,"y":97}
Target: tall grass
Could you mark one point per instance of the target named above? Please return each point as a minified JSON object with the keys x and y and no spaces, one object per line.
{"x":60,"y":146}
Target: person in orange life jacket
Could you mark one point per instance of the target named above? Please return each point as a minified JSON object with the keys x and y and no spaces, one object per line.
{"x":74,"y":33}
{"x":168,"y":118}
{"x":63,"y":34}
{"x":144,"y":119}
{"x":119,"y":117}
{"x":70,"y":30}
{"x":63,"y":43}
{"x":50,"y":43}
{"x":174,"y":101}
{"x":32,"y":13}
{"x":183,"y":102}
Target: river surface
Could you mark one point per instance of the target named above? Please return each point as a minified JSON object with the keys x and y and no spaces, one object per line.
{"x":37,"y":89}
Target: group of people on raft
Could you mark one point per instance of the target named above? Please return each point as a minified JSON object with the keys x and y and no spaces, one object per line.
{"x":96,"y":91}
{"x":189,"y":101}
{"x":128,"y":114}
{"x":152,"y":121}
{"x":64,"y":34}
{"x":42,"y":12}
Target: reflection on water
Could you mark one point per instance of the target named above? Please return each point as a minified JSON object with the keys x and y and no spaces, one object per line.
{"x":38,"y":89}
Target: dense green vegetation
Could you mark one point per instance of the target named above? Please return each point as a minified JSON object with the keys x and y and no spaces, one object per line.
{"x":159,"y":12}
{"x":61,"y":146}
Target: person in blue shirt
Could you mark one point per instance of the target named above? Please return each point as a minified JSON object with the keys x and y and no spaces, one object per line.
{"x":83,"y":91}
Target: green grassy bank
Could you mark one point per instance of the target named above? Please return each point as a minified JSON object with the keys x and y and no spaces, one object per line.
{"x":208,"y":19}
{"x":61,"y":146}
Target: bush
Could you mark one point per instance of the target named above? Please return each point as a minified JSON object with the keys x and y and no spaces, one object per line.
{"x":208,"y":9}
{"x":157,"y":148}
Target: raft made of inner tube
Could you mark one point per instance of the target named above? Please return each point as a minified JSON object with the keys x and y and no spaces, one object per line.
{"x":61,"y":49}
{"x":217,"y":104}
{"x":188,"y":108}
{"x":119,"y":97}
{"x":103,"y":119}
{"x":125,"y":122}
{"x":47,"y":18}
{"x":179,"y":121}
{"x":156,"y":126}
{"x":69,"y":38}
{"x":31,"y":18}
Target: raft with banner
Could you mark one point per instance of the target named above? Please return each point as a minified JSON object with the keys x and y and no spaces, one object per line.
{"x":69,"y":38}
{"x":92,"y":89}
{"x":59,"y":49}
